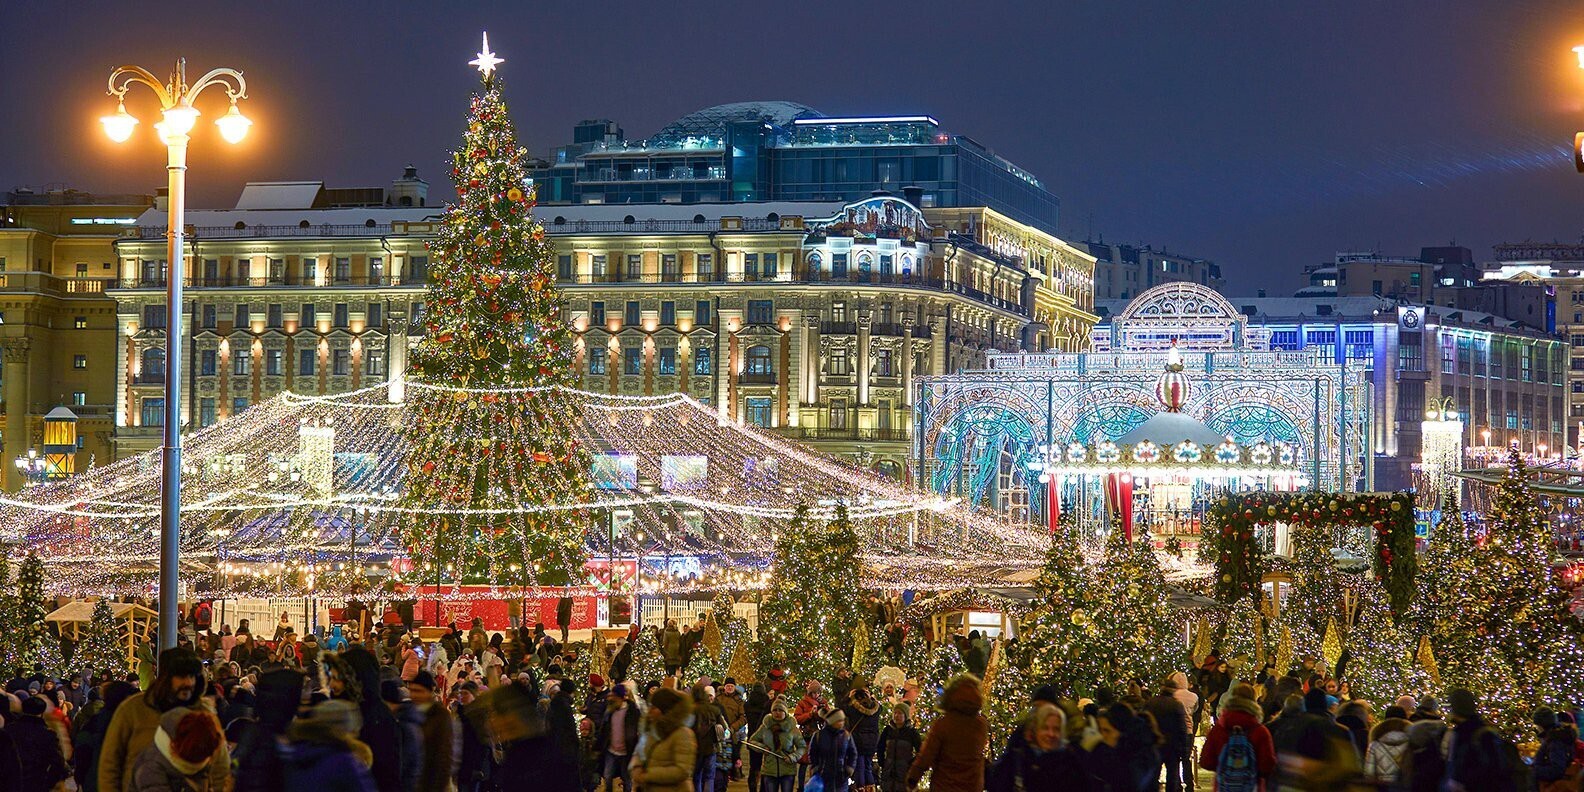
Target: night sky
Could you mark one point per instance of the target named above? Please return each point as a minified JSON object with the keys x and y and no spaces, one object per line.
{"x":1263,"y":135}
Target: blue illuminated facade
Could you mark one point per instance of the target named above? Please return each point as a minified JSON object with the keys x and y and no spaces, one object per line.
{"x":782,"y":151}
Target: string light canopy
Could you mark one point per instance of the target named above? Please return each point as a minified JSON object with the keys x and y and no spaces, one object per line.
{"x":302,"y":494}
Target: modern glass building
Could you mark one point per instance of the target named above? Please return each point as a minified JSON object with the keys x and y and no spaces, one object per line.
{"x":783,"y":151}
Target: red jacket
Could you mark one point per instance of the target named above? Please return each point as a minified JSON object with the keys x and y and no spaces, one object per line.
{"x":1258,"y":736}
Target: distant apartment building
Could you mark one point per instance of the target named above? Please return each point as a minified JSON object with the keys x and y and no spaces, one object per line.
{"x":1122,"y":271}
{"x":1558,"y":270}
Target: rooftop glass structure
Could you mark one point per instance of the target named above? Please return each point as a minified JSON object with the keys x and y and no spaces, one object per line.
{"x":784,"y":151}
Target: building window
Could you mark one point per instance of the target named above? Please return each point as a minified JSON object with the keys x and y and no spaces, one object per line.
{"x":813,"y":263}
{"x":277,"y":270}
{"x":632,"y":360}
{"x":243,"y":312}
{"x":306,"y":360}
{"x":596,"y":361}
{"x":759,"y":361}
{"x":761,"y":311}
{"x":887,"y":265}
{"x":244,"y":272}
{"x":701,"y":313}
{"x":838,"y":312}
{"x":838,"y":265}
{"x":340,"y":362}
{"x":153,"y":364}
{"x":597,"y":266}
{"x":706,"y":267}
{"x":206,"y":411}
{"x":153,"y":412}
{"x":79,"y":361}
{"x":154,"y":317}
{"x":273,"y":315}
{"x":81,"y":323}
{"x":308,"y":319}
{"x":751,"y":266}
{"x":838,"y":363}
{"x":701,"y":361}
{"x":838,"y":414}
{"x":769,"y":266}
{"x":374,"y":362}
{"x":883,"y":415}
{"x":340,"y":314}
{"x":376,"y":270}
{"x":635,"y":268}
{"x":597,"y":313}
{"x":759,"y":412}
{"x":206,"y":363}
{"x":273,"y":362}
{"x":668,"y":361}
{"x":374,"y":315}
{"x":239,"y":404}
{"x":79,"y":398}
{"x":564,"y":268}
{"x":667,"y":312}
{"x":417,"y":313}
{"x":241,"y":363}
{"x":310,"y":272}
{"x":343,"y":269}
{"x":669,"y":271}
{"x":631,"y":316}
{"x":418,"y":269}
{"x":882,"y":364}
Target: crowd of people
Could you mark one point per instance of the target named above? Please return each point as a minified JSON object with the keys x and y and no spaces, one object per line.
{"x":476,"y":711}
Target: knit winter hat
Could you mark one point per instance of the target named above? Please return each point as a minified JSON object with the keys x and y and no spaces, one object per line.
{"x":194,"y":734}
{"x":341,"y":717}
{"x":1461,"y":702}
{"x":423,"y":679}
{"x":836,"y":718}
{"x":1545,"y":718}
{"x":1316,"y":700}
{"x":180,"y":662}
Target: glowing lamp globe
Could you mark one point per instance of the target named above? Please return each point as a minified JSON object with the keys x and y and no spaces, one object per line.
{"x":233,"y":125}
{"x":119,"y":126}
{"x":179,"y":120}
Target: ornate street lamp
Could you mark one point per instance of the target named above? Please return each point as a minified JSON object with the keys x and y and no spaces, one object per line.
{"x":179,"y":116}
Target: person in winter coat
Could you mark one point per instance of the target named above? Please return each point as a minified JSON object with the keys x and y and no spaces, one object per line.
{"x":621,"y":661}
{"x":437,"y":731}
{"x":1312,"y":751}
{"x":1127,"y":758}
{"x":477,"y":637}
{"x":977,"y":655}
{"x":1426,"y":733}
{"x":379,"y":728}
{"x":258,"y":754}
{"x":178,"y":760}
{"x":671,"y":648}
{"x":1174,"y":723}
{"x":780,"y":745}
{"x":1041,"y":761}
{"x":411,"y":659}
{"x":667,"y":766}
{"x":754,"y":712}
{"x":863,"y":722}
{"x":1558,"y":743}
{"x":832,"y":756}
{"x":43,"y":762}
{"x":178,"y":684}
{"x":1241,"y":712}
{"x":953,"y":753}
{"x":409,"y":731}
{"x":898,"y":746}
{"x":1386,"y":758}
{"x":325,"y":754}
{"x":91,"y":734}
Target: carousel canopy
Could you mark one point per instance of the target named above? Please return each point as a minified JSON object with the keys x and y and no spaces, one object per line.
{"x":1167,"y":429}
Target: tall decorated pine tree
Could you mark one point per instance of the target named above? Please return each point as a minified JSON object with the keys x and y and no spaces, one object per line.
{"x":1380,"y":664}
{"x":1512,"y":639}
{"x":494,"y":470}
{"x":1058,"y":648}
{"x":36,"y":649}
{"x":1137,"y":634}
{"x":8,"y":637}
{"x":814,"y":601}
{"x":102,"y":651}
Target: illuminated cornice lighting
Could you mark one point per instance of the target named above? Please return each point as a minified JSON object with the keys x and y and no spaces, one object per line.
{"x":866,"y":120}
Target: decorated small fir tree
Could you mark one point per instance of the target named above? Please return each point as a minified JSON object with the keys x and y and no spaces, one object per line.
{"x":488,"y":427}
{"x":1380,"y":663}
{"x":814,"y":600}
{"x":36,"y":649}
{"x":1136,"y":633}
{"x":102,"y":650}
{"x":1058,"y":647}
{"x":648,"y":664}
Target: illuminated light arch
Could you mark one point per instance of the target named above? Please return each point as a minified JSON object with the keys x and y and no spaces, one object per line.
{"x":984,"y":436}
{"x":1198,"y":317}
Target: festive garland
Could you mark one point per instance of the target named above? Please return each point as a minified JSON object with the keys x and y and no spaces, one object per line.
{"x":1240,"y":564}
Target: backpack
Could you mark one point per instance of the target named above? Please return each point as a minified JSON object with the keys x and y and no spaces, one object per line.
{"x":1236,"y":769}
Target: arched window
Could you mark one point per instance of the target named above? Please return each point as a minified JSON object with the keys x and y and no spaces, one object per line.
{"x":759,"y":360}
{"x":907,"y":263}
{"x":813,"y":263}
{"x":701,"y":361}
{"x":154,"y":362}
{"x":865,"y":264}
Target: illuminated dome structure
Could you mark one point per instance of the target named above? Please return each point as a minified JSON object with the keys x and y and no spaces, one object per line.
{"x":1178,"y":392}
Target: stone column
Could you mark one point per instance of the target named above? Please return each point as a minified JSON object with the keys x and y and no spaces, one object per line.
{"x":16,"y":375}
{"x":862,"y":372}
{"x":396,"y":360}
{"x":907,"y":360}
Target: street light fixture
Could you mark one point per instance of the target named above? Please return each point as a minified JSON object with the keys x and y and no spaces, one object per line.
{"x":178,"y":119}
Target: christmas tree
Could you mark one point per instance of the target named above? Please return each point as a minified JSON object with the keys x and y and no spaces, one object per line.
{"x":1057,"y":648}
{"x":1445,"y":580}
{"x":1380,"y":663}
{"x":1009,"y":692}
{"x":494,"y":463}
{"x":945,"y":662}
{"x":1316,"y":593}
{"x":8,"y":638}
{"x":648,"y":664}
{"x":102,"y":650}
{"x":1136,"y":632}
{"x":915,"y":653}
{"x":814,"y":601}
{"x":1512,"y":639}
{"x":1244,"y":642}
{"x":36,"y":649}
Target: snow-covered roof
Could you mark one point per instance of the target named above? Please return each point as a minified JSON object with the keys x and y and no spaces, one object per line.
{"x":1167,"y":429}
{"x":280,"y":195}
